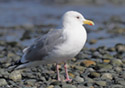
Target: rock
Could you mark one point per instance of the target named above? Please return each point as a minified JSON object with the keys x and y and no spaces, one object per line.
{"x":73,"y":59}
{"x":3,"y":73}
{"x":10,"y":55}
{"x":51,"y":86}
{"x":68,"y":86}
{"x":122,"y":82}
{"x":101,"y":83}
{"x":15,"y":76}
{"x":12,"y":43}
{"x":57,"y":87}
{"x":89,"y":80}
{"x":104,"y":67}
{"x":3,"y":82}
{"x":55,"y":82}
{"x":81,"y":68}
{"x":94,"y":75}
{"x":107,"y":56}
{"x":26,"y":35}
{"x":107,"y":76}
{"x":72,"y":75}
{"x":117,"y":86}
{"x":90,"y":69}
{"x":96,"y":55}
{"x":120,"y":48}
{"x":30,"y":75}
{"x":79,"y":79}
{"x":111,"y":49}
{"x":118,"y":69}
{"x":2,"y":43}
{"x":106,"y":61}
{"x":93,"y":41}
{"x":88,"y":63}
{"x":117,"y":62}
{"x":30,"y":81}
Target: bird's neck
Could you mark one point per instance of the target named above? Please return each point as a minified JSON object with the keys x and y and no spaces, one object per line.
{"x":71,"y":24}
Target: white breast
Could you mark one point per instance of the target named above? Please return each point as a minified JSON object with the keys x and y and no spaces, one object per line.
{"x":75,"y":41}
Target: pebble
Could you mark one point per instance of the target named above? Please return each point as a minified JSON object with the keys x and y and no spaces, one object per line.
{"x":72,"y":75}
{"x":57,"y":87}
{"x":89,"y":80}
{"x":94,"y":74}
{"x":106,"y":76}
{"x":96,"y":55}
{"x":122,"y":82}
{"x":106,"y":61}
{"x":79,"y":79}
{"x":100,"y":67}
{"x":81,"y":68}
{"x":3,"y":82}
{"x":108,"y":56}
{"x":120,"y":48}
{"x":68,"y":86}
{"x":117,"y":62}
{"x":3,"y":73}
{"x":93,"y":41}
{"x":88,"y":63}
{"x":118,"y":69}
{"x":15,"y":76}
{"x":51,"y":86}
{"x":104,"y":67}
{"x":101,"y":83}
{"x":30,"y":81}
{"x":117,"y":86}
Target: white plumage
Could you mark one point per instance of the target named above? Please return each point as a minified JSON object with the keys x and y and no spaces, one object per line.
{"x":58,"y":45}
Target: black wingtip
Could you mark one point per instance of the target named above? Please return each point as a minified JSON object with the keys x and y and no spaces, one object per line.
{"x":13,"y":66}
{"x":18,"y":63}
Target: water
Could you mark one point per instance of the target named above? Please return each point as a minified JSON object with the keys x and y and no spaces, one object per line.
{"x":33,"y":13}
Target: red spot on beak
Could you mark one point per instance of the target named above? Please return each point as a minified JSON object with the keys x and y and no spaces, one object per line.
{"x":91,"y":24}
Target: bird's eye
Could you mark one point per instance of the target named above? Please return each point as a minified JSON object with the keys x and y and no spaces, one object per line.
{"x":77,"y":17}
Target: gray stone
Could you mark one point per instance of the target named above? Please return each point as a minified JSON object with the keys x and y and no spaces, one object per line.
{"x":30,"y":81}
{"x":3,"y":73}
{"x":101,"y":83}
{"x":68,"y":86}
{"x":118,"y":69}
{"x":122,"y":82}
{"x":120,"y":47}
{"x":81,"y":68}
{"x":107,"y":76}
{"x":117,"y":86}
{"x":79,"y":79}
{"x":108,"y":56}
{"x":104,"y":67}
{"x":15,"y":76}
{"x":117,"y":62}
{"x":57,"y":87}
{"x":94,"y":74}
{"x":89,"y":80}
{"x":3,"y":82}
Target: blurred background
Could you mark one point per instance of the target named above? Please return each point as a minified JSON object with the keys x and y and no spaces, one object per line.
{"x":101,"y":64}
{"x":21,"y":21}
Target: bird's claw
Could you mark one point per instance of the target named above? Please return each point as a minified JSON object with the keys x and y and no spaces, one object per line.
{"x":68,"y":80}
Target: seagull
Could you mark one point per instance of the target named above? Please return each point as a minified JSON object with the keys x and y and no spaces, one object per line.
{"x":58,"y":45}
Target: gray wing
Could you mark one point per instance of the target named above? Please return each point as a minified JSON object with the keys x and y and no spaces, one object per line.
{"x":44,"y":45}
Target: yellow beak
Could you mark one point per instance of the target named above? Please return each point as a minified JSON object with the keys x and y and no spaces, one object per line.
{"x":89,"y":22}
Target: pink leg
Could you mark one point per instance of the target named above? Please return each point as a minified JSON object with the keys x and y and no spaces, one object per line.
{"x":67,"y":76}
{"x":57,"y":69}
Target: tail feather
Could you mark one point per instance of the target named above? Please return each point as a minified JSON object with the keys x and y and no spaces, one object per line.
{"x":15,"y":66}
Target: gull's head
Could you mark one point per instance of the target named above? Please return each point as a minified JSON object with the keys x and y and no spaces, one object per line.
{"x":73,"y":17}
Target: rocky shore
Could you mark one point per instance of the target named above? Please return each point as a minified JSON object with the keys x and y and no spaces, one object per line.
{"x":101,"y":63}
{"x":100,"y":67}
